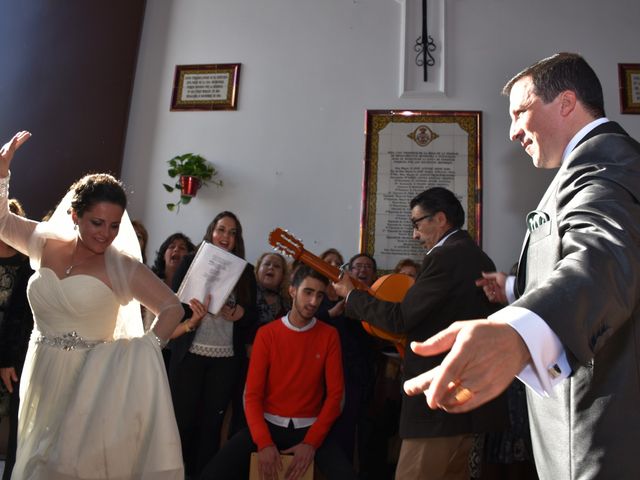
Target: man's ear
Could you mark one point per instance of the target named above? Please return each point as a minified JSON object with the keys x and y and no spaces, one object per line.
{"x":74,"y":217}
{"x":440,"y":218}
{"x":568,"y":101}
{"x":292,"y":291}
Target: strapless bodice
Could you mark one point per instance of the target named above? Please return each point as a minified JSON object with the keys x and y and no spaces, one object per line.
{"x":79,"y":303}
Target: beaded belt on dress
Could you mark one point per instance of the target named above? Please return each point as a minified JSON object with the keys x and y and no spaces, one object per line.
{"x":68,"y":341}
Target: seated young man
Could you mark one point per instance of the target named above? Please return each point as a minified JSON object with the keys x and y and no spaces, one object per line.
{"x":293,"y":394}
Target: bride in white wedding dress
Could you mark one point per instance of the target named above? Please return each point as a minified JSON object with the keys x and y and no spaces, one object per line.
{"x":95,"y":402}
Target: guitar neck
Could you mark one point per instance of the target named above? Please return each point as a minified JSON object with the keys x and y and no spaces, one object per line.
{"x":328,"y":270}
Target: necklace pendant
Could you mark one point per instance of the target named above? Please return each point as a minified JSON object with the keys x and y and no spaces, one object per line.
{"x":67,"y":270}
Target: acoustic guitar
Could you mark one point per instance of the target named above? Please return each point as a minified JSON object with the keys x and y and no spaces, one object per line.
{"x":391,"y":288}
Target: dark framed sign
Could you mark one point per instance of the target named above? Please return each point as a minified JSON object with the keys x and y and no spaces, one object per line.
{"x":206,"y":87}
{"x":629,"y":80}
{"x":406,"y":153}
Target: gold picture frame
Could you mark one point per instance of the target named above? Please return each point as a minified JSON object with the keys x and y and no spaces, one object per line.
{"x":629,"y":80}
{"x":407,"y":152}
{"x":206,"y":87}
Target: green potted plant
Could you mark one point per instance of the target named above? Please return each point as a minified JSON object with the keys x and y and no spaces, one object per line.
{"x":192,"y":171}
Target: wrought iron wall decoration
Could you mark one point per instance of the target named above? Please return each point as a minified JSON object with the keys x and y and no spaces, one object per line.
{"x":422,"y":48}
{"x":425,"y":45}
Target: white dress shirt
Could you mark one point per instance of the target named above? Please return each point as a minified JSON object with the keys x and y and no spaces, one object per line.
{"x":549,"y":364}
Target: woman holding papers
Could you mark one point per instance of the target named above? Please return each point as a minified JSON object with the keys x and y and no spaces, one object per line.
{"x":207,"y":360}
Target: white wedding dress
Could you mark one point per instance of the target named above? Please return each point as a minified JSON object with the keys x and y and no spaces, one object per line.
{"x":94,"y":413}
{"x":94,"y":395}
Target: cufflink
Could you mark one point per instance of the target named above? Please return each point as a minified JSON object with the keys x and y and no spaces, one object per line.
{"x":554,"y":371}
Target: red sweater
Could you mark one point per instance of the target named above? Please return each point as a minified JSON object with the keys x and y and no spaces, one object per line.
{"x":294,"y":374}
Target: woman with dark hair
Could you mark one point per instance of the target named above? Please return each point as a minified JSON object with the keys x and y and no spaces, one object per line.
{"x":170,"y":254}
{"x":16,"y":323}
{"x":208,"y":358}
{"x":94,"y":399}
{"x":334,"y":258}
{"x":143,"y":237}
{"x":273,"y":287}
{"x":168,"y":258}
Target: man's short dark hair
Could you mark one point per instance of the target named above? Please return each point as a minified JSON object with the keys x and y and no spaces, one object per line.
{"x":564,"y":71}
{"x":366,"y":255}
{"x":304,"y":271}
{"x":438,"y":199}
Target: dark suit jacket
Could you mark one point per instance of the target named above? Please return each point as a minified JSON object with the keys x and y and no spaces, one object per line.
{"x":444,"y":292}
{"x":583,"y":279}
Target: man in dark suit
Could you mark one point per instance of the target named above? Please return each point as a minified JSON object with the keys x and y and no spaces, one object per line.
{"x":573,"y":335}
{"x":435,"y":444}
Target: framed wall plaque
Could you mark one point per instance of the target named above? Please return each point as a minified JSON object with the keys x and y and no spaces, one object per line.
{"x":206,"y":87}
{"x":406,"y":153}
{"x":629,"y":79}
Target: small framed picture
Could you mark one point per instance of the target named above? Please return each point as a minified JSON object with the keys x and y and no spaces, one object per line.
{"x":629,"y":78}
{"x":206,"y":87}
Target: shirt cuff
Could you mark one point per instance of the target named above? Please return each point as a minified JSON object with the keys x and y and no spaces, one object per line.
{"x":549,"y":365}
{"x":346,"y":299}
{"x":510,"y":289}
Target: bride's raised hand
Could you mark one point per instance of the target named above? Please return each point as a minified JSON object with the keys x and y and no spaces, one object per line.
{"x":9,"y":148}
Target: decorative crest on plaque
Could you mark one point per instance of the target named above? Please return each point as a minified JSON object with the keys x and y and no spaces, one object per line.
{"x":423,"y":135}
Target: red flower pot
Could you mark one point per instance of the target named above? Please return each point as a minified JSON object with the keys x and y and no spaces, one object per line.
{"x":189,"y":185}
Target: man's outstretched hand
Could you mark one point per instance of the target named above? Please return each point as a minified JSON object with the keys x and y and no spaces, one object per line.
{"x":484,"y":357}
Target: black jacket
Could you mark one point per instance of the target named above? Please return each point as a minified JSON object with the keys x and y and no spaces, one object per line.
{"x":16,"y":322}
{"x":444,"y":292}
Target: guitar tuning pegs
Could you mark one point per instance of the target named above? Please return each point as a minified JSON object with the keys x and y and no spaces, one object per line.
{"x":285,"y":242}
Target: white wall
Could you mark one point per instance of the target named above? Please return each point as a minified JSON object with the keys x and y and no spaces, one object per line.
{"x":292,"y":154}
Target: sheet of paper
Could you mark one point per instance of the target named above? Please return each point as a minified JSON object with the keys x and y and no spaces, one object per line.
{"x":213,"y":271}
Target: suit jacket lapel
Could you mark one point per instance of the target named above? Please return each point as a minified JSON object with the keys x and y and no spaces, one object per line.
{"x":549,"y":195}
{"x":521,"y":275}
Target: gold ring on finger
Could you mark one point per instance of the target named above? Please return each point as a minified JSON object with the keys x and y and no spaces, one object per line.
{"x":462,"y":394}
